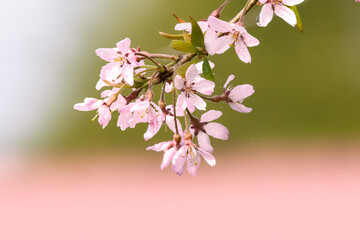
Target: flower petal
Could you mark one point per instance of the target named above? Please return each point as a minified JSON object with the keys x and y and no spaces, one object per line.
{"x":210,"y":116}
{"x":208,"y":157}
{"x":168,"y":157}
{"x":199,"y":66}
{"x":204,"y":86}
{"x":178,"y":160}
{"x":183,"y":26}
{"x":124,"y":45}
{"x":181,"y":102}
{"x":266,"y":15}
{"x":291,"y":2}
{"x":286,"y":14}
{"x":240,"y":107}
{"x":108,"y":54}
{"x":242,"y":51}
{"x":230,"y":78}
{"x":240,"y":92}
{"x":179,"y":82}
{"x":120,"y":102}
{"x":159,"y":147}
{"x":128,"y":74}
{"x":104,"y":115}
{"x":219,"y":25}
{"x":191,"y":73}
{"x":197,"y":102}
{"x":89,"y":104}
{"x":217,"y":130}
{"x":100,"y":84}
{"x":124,"y":118}
{"x":249,"y":40}
{"x":204,"y":141}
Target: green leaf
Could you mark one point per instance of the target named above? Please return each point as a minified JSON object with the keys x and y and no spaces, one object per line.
{"x":298,"y":19}
{"x":184,"y":46}
{"x":197,"y":36}
{"x":207,"y":71}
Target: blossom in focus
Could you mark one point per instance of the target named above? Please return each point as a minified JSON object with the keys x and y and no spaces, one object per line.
{"x":237,"y":95}
{"x":91,"y":104}
{"x":205,"y":128}
{"x":279,"y":7}
{"x":121,"y":64}
{"x":234,"y":35}
{"x":189,"y":86}
{"x":190,"y":154}
{"x":144,"y":110}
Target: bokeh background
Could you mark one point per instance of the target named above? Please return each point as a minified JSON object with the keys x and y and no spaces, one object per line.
{"x":290,"y":169}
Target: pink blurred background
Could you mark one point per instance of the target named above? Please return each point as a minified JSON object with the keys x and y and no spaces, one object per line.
{"x":290,"y":170}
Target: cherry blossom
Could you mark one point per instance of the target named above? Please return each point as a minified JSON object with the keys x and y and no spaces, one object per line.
{"x":189,"y":86}
{"x":237,"y":95}
{"x":190,"y":154}
{"x":205,"y":128}
{"x":146,"y":111}
{"x":234,"y":35}
{"x":279,"y":7}
{"x":121,"y":63}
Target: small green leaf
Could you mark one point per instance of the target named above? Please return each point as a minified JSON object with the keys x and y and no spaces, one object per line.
{"x":183,"y":46}
{"x":171,"y":36}
{"x":186,"y":37}
{"x":207,"y":71}
{"x":298,"y":19}
{"x":197,"y":36}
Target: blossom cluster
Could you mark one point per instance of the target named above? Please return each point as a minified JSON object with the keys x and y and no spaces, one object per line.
{"x":130,"y":76}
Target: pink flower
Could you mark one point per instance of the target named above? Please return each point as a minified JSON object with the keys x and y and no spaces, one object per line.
{"x":189,"y":86}
{"x":190,"y":154}
{"x":121,"y":62}
{"x":205,"y":128}
{"x":234,"y":35}
{"x":146,"y":111}
{"x":237,"y":95}
{"x":91,"y":104}
{"x":199,"y":66}
{"x":169,"y":148}
{"x":280,"y":9}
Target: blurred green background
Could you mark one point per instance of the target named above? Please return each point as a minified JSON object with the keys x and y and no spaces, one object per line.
{"x":307,"y":84}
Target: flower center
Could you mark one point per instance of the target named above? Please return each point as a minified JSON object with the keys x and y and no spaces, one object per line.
{"x":234,"y":36}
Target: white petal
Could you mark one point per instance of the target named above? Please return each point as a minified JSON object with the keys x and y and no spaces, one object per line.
{"x":128,"y":74}
{"x":292,"y":2}
{"x":100,"y":84}
{"x":204,"y":86}
{"x":210,"y":116}
{"x":178,"y":160}
{"x":217,"y":130}
{"x":286,"y":13}
{"x":204,"y":141}
{"x":240,"y":92}
{"x":181,"y":102}
{"x":179,"y":82}
{"x":89,"y":104}
{"x":160,"y":146}
{"x":124,"y":45}
{"x":230,"y":78}
{"x":197,"y":102}
{"x":191,"y":73}
{"x":168,"y":157}
{"x":219,"y":25}
{"x":242,"y":51}
{"x":266,"y":15}
{"x":183,"y":26}
{"x":208,"y":157}
{"x":249,"y":40}
{"x":240,"y":108}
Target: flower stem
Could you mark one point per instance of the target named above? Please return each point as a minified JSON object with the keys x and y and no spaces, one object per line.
{"x":249,"y":4}
{"x":152,"y":60}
